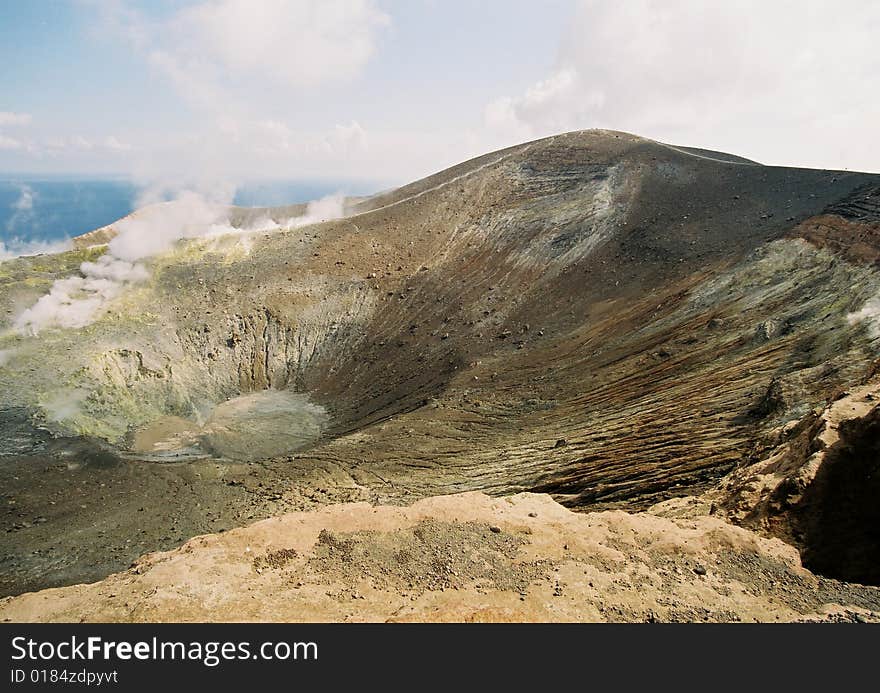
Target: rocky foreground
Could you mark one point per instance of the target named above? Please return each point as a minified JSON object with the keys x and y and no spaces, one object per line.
{"x":465,"y":557}
{"x":717,"y":557}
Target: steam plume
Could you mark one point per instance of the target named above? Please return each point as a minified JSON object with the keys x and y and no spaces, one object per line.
{"x":77,"y":301}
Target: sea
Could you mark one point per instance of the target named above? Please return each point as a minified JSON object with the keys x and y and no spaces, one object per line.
{"x":37,"y":214}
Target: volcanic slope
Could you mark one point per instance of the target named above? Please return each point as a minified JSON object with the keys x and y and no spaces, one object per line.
{"x":597,"y":316}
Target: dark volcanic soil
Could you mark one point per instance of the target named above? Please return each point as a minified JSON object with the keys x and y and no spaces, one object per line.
{"x":78,"y":516}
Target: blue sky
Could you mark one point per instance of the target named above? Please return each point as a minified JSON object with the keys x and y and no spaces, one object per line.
{"x":391,"y":90}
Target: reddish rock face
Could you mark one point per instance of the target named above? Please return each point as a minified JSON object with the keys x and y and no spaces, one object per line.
{"x":857,"y":241}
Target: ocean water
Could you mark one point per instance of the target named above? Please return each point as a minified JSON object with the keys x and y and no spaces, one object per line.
{"x":36,"y":213}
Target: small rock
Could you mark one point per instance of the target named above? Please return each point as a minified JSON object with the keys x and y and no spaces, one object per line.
{"x":533,"y":514}
{"x":699,"y":570}
{"x":561,"y":443}
{"x":495,"y":529}
{"x":769,"y":330}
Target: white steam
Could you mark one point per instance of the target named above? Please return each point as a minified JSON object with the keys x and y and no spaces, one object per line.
{"x":155,"y":229}
{"x":870,"y":312}
{"x":78,"y":301}
{"x":64,"y":404}
{"x":325,"y":209}
{"x":22,"y":208}
{"x":25,"y":201}
{"x":23,"y":213}
{"x":17,"y":248}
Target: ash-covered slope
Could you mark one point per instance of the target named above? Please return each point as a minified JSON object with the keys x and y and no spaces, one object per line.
{"x":594,"y":315}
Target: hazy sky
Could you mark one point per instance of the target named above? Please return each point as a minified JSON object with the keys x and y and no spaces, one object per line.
{"x":389,"y":90}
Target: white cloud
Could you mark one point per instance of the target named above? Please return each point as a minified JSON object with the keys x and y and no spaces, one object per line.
{"x":347,"y":138}
{"x":212,"y":50}
{"x":230,"y":149}
{"x":550,"y":105}
{"x":8,"y":118}
{"x":296,"y":42}
{"x":11,"y":119}
{"x":57,"y":145}
{"x":247,"y":70}
{"x":114,"y":144}
{"x":787,"y":82}
{"x":54,"y":145}
{"x":80,"y":142}
{"x":9,"y":142}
